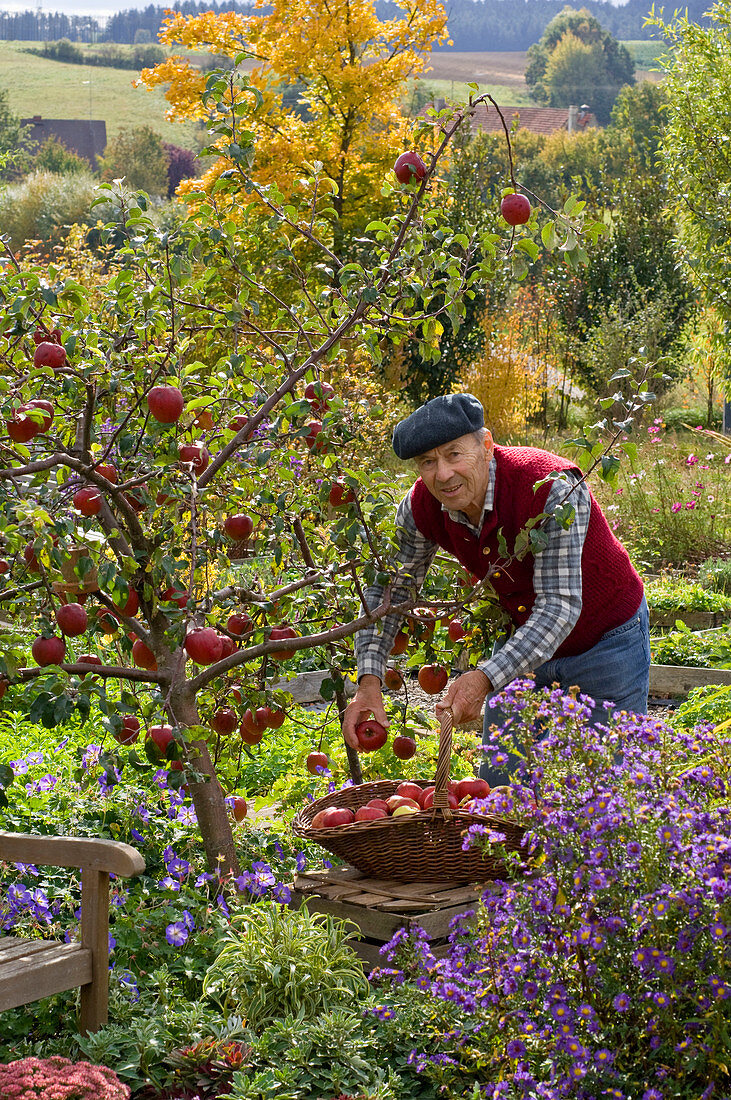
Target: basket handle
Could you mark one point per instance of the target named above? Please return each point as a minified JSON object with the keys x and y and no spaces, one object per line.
{"x":444,"y":759}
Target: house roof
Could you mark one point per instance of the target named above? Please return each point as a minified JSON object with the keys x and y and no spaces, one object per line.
{"x":538,"y":120}
{"x":86,"y":137}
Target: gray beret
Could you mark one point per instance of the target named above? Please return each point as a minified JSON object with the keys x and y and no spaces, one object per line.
{"x":438,"y":421}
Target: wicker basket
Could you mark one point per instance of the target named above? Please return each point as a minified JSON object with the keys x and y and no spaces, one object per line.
{"x":421,"y":847}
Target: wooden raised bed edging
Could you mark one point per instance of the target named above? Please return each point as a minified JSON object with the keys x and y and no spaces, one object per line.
{"x":696,"y":620}
{"x":680,"y":679}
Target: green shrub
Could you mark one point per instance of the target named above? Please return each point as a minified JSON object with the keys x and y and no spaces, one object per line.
{"x":715,"y":574}
{"x":704,"y":705}
{"x":700,"y":648}
{"x":278,"y":962}
{"x":669,"y":595}
{"x":45,"y":205}
{"x":53,"y":156}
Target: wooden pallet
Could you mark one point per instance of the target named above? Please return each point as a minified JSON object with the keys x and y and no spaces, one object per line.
{"x":379,"y":907}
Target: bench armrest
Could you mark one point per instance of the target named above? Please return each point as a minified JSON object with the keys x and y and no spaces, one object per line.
{"x":67,"y":851}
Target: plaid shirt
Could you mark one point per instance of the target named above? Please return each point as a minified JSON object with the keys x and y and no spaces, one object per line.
{"x":556,"y":581}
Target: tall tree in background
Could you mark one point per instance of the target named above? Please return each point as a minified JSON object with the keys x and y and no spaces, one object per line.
{"x":326,"y":86}
{"x":577,"y":61}
{"x":695,"y":153}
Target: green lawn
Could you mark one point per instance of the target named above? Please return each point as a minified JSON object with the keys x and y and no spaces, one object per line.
{"x":644,"y":53}
{"x":55,"y":89}
{"x":455,"y":91}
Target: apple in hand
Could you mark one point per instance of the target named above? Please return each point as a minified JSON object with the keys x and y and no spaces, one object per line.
{"x":72,"y":619}
{"x":433,"y":678}
{"x":409,"y":166}
{"x":515,"y":209}
{"x":371,"y":735}
{"x":316,"y":760}
{"x":48,"y":651}
{"x":404,"y":747}
{"x":165,"y":404}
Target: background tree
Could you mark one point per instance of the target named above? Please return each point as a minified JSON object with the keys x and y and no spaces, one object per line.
{"x":138,"y":155}
{"x":14,"y":143}
{"x":349,"y":70}
{"x":694,"y":152}
{"x":590,"y":67}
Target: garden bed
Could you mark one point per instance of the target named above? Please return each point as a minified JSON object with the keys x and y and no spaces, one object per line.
{"x":669,"y":680}
{"x":695,"y":620}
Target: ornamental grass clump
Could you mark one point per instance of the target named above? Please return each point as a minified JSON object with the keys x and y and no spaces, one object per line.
{"x":606,"y":961}
{"x":59,"y":1079}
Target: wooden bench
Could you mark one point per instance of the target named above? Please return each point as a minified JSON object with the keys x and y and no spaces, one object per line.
{"x":34,"y":968}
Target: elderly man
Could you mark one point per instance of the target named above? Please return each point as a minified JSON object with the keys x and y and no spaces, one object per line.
{"x":577,"y":607}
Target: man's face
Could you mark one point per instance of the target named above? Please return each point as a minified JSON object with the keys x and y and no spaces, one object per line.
{"x":457,"y":473}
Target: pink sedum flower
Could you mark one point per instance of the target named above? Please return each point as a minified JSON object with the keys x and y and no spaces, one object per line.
{"x":59,"y":1079}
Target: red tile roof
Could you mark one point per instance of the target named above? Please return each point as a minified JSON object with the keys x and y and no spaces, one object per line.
{"x":539,"y":120}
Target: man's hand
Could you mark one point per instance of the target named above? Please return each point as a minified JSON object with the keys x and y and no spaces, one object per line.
{"x":465,"y":697}
{"x":367,"y":701}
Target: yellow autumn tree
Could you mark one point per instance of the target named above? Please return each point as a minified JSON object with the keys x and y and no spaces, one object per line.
{"x":326,"y":86}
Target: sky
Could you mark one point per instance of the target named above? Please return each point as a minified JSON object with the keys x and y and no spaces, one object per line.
{"x":97,"y":8}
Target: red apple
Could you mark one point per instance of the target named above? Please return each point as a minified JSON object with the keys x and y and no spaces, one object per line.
{"x":49,"y":355}
{"x":175,"y":595}
{"x":337,"y":815}
{"x":227,"y":645}
{"x":196,"y":454}
{"x":433,"y":678}
{"x":3,"y":686}
{"x":275,"y":717}
{"x":236,"y":694}
{"x":314,"y":438}
{"x":87,"y":501}
{"x":379,"y":804}
{"x":21,"y":427}
{"x":4,"y":566}
{"x":143,"y":656}
{"x":237,"y":423}
{"x":252,"y":725}
{"x":239,"y":526}
{"x":276,"y":634}
{"x":203,"y":646}
{"x":409,"y":166}
{"x":160,"y":736}
{"x":340,"y":495}
{"x":165,"y":404}
{"x":108,"y":472}
{"x":224,"y":720}
{"x":316,"y":760}
{"x":393,"y":679}
{"x":515,"y":209}
{"x":131,"y":604}
{"x":130,"y":730}
{"x":319,"y":395}
{"x":369,"y":813}
{"x":239,"y":808}
{"x":397,"y":800}
{"x":371,"y":735}
{"x":48,"y":651}
{"x":455,"y":630}
{"x":72,"y":619}
{"x":47,"y":409}
{"x":30,"y":559}
{"x":427,"y":799}
{"x":88,"y":659}
{"x":409,"y":790}
{"x":404,"y":747}
{"x":238,"y":625}
{"x":471,"y":788}
{"x":400,"y":643}
{"x":318,"y":821}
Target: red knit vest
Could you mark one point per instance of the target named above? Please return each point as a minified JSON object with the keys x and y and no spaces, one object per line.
{"x":611,"y":588}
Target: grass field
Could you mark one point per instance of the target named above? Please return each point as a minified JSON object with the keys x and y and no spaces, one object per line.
{"x":55,"y":89}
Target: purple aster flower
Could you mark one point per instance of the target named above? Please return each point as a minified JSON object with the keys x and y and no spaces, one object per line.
{"x":621,"y":1002}
{"x":515,"y":1049}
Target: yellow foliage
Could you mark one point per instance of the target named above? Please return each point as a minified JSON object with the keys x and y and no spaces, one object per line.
{"x":345,"y":71}
{"x":508,"y":380}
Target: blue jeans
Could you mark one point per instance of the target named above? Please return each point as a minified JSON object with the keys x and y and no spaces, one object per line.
{"x":615,"y":672}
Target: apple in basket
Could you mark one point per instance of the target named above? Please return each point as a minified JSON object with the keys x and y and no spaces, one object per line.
{"x":405,"y":811}
{"x":370,"y":813}
{"x":397,"y":800}
{"x":427,"y":799}
{"x":471,"y":788}
{"x":378,"y":804}
{"x":409,"y":790}
{"x":332,"y":816}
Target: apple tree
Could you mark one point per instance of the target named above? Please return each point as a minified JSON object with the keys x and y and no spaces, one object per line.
{"x":161,"y":419}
